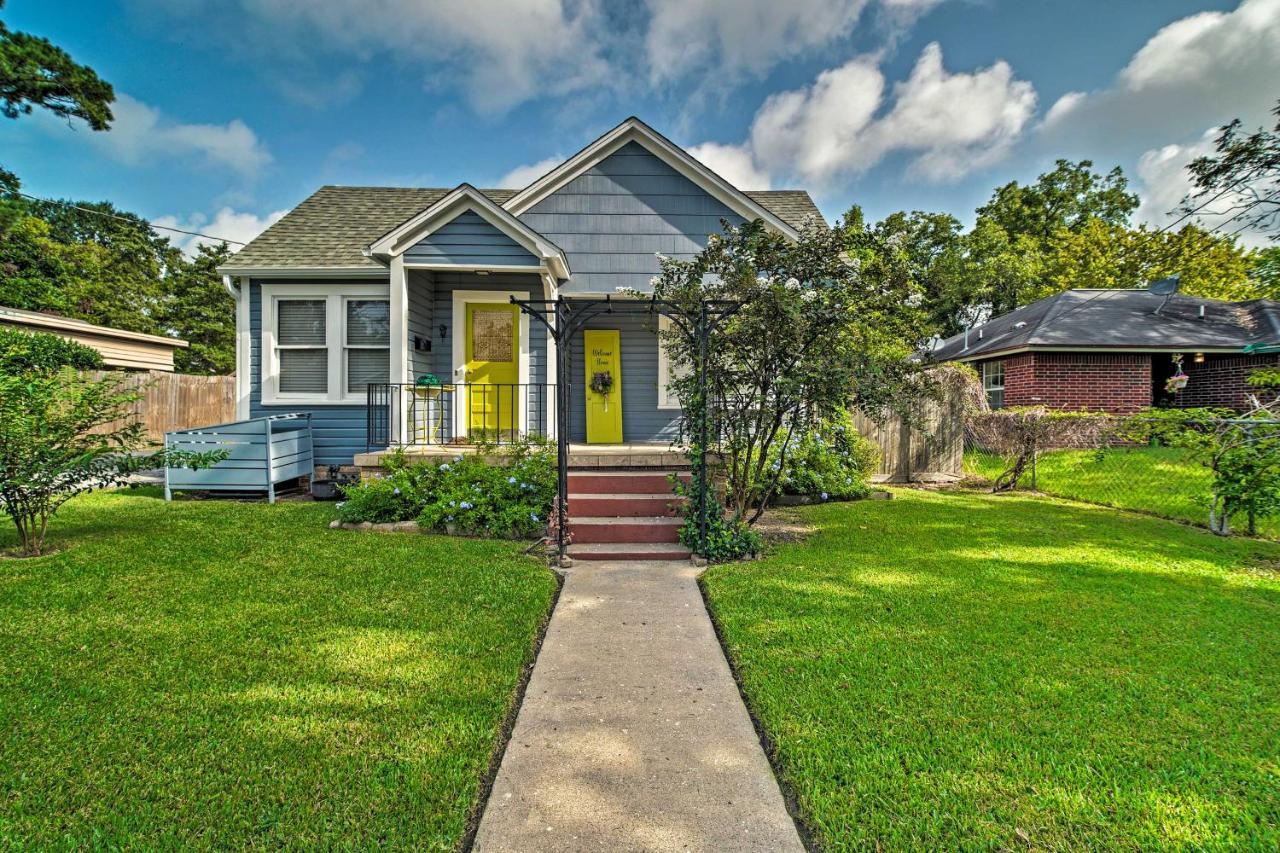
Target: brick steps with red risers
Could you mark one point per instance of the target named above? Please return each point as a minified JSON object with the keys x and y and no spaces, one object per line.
{"x":624,"y":506}
{"x":624,"y":515}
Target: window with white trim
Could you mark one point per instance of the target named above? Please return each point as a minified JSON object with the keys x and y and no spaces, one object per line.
{"x":666,"y":372}
{"x":993,"y":383}
{"x":302,"y":350}
{"x":368,"y":343}
{"x":324,"y":344}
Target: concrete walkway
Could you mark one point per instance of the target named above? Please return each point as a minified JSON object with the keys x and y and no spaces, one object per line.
{"x":632,"y":735}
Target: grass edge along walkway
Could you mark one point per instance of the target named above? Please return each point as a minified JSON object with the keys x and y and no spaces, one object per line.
{"x":965,"y":670}
{"x":213,"y":674}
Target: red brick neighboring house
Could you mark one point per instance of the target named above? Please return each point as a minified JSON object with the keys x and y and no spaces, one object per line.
{"x":1112,"y":350}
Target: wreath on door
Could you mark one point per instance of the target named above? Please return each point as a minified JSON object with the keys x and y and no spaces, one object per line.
{"x":602,"y":382}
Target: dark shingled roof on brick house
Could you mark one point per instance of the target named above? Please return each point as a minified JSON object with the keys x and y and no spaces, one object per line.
{"x":335,"y":224}
{"x":1118,"y":320}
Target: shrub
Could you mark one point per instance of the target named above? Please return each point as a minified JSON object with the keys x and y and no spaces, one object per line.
{"x":63,"y":433}
{"x":467,"y":494}
{"x":473,"y":496}
{"x":727,"y":538}
{"x":37,"y":352}
{"x":833,"y":461}
{"x":385,"y":499}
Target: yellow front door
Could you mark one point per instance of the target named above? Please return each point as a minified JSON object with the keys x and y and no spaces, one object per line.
{"x":604,"y":386}
{"x":492,"y":369}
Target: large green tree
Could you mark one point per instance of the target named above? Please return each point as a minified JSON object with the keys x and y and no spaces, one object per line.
{"x":1067,"y":197}
{"x":130,"y":263}
{"x":199,"y":310}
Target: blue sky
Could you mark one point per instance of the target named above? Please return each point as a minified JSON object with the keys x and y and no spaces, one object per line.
{"x":232,"y":111}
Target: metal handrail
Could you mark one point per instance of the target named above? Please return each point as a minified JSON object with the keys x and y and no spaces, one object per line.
{"x":404,"y":414}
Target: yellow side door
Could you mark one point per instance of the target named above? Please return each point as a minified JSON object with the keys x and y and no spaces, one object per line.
{"x":604,"y":407}
{"x":493,"y":368}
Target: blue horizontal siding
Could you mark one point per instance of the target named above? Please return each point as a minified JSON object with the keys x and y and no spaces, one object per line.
{"x":612,"y":219}
{"x":470,"y":239}
{"x":642,"y":420}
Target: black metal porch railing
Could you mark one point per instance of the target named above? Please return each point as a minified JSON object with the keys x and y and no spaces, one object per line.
{"x":405,"y":414}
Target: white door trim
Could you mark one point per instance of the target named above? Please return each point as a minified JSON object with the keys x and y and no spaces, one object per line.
{"x":459,"y":360}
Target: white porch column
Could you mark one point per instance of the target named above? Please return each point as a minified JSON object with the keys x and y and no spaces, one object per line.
{"x":399,"y":371}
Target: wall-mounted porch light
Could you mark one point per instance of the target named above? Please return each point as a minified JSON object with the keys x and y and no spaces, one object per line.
{"x":1198,"y":358}
{"x":444,"y":331}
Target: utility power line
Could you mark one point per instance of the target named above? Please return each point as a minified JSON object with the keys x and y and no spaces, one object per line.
{"x":131,"y":221}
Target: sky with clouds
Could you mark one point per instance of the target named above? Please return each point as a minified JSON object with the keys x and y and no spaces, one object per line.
{"x":229,"y":112}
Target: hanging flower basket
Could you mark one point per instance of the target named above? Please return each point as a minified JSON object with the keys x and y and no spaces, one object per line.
{"x":1176,"y":383}
{"x":602,"y":382}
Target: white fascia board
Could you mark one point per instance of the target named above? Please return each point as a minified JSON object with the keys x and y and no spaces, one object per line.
{"x":463,"y":199}
{"x":634,"y":130}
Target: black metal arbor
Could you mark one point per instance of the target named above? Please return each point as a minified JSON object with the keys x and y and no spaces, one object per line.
{"x":564,"y":319}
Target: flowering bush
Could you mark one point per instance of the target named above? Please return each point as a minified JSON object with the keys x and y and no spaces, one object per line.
{"x":832,"y":462}
{"x":467,"y":494}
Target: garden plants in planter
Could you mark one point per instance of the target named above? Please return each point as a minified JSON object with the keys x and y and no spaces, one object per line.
{"x":468,"y":494}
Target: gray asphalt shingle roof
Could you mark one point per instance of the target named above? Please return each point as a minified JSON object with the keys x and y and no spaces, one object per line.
{"x":1119,"y":319}
{"x":333,"y":226}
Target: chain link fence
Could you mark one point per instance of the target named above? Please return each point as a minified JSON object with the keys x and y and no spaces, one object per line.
{"x":1118,"y":462}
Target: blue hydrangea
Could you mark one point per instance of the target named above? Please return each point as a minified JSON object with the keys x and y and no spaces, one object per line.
{"x":511,"y":480}
{"x":464,"y":505}
{"x":824,"y":496}
{"x":396,"y":490}
{"x":533,"y":516}
{"x":444,"y":467}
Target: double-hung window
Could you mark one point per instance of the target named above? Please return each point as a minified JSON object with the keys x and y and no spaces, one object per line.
{"x":302,"y":350}
{"x":324,"y":344}
{"x":367,"y":347}
{"x":993,"y":383}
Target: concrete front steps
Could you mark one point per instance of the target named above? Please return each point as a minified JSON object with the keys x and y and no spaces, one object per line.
{"x":624,"y":515}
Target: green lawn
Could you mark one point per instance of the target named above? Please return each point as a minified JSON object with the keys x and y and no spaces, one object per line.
{"x":1158,"y":480}
{"x":960,"y":670}
{"x":218,"y":674}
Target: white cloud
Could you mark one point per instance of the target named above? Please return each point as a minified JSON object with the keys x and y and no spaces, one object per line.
{"x":141,"y":132}
{"x":227,"y":223}
{"x":1163,"y":182}
{"x":1200,"y":70}
{"x":499,"y":52}
{"x":521,"y":176}
{"x":952,"y":123}
{"x":752,"y":36}
{"x":733,"y":163}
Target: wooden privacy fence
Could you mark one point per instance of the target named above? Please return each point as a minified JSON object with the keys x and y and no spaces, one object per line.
{"x":932,"y":451}
{"x":173,"y":401}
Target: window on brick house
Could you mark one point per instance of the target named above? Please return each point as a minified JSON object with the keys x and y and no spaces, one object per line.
{"x":993,"y":383}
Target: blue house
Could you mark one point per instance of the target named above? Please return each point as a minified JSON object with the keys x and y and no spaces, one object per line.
{"x":385,"y":313}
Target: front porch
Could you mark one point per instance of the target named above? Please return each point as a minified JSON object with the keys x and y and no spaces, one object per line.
{"x":630,"y":456}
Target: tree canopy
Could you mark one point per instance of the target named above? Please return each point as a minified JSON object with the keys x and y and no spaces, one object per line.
{"x":1070,"y":228}
{"x":1241,"y":180}
{"x":34,"y":72}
